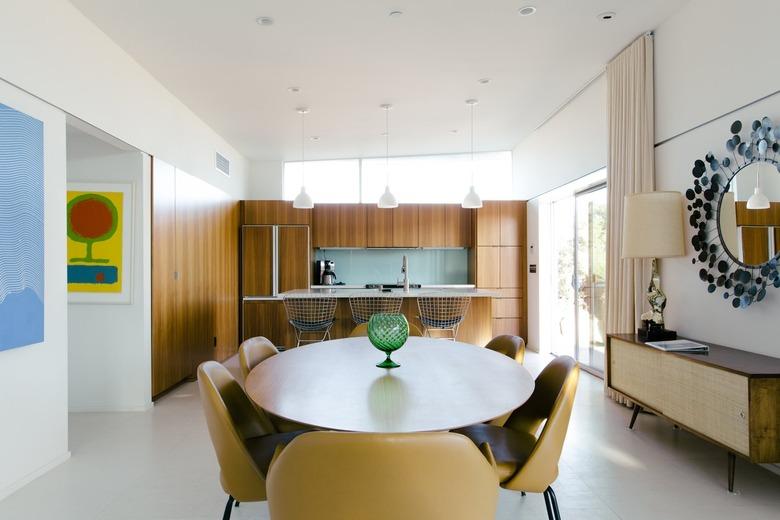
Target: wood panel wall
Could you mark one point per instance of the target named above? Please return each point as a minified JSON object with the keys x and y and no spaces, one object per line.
{"x":194,"y":275}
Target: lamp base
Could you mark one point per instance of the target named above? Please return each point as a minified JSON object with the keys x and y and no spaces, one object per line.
{"x":654,"y":332}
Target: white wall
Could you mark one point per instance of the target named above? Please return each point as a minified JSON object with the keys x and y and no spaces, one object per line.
{"x":109,"y":346}
{"x":700,"y":59}
{"x":48,"y":48}
{"x":265,"y":180}
{"x":571,"y":144}
{"x":34,"y":379}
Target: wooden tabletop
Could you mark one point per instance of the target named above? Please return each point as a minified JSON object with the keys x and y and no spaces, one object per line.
{"x":440,"y":385}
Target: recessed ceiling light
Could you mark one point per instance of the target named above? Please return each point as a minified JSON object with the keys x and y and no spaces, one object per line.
{"x":484,"y":81}
{"x":395,"y":14}
{"x":607,"y":16}
{"x":294,"y":90}
{"x":264,"y":20}
{"x":454,"y":131}
{"x":528,"y":10}
{"x":315,"y":138}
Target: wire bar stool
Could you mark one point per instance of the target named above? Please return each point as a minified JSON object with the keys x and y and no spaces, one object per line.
{"x":443,"y":313}
{"x":310,"y":316}
{"x":363,"y":307}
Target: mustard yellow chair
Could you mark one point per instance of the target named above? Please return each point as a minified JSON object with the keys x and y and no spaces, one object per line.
{"x":362,"y":330}
{"x":509,"y":345}
{"x":337,"y":475}
{"x":251,"y":353}
{"x":254,"y":351}
{"x":525,"y":462}
{"x":244,"y":439}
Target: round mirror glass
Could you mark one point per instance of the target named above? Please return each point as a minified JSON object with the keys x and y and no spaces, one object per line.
{"x":749,"y":216}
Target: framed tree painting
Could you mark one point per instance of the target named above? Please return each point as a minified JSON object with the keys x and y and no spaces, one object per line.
{"x":21,"y":229}
{"x":99,"y":227}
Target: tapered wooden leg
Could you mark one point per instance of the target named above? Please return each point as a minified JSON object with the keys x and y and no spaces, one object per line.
{"x":732,"y":469}
{"x":634,"y":415}
{"x":228,"y":508}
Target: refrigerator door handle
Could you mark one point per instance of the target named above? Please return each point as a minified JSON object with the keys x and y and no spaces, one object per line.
{"x":275,"y":260}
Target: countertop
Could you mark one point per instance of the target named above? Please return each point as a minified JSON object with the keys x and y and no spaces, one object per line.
{"x":413,"y":293}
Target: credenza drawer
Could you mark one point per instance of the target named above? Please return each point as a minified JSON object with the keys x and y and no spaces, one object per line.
{"x":708,"y":400}
{"x":634,"y":371}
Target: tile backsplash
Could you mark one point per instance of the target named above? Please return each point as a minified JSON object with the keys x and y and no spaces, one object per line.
{"x":426,"y":266}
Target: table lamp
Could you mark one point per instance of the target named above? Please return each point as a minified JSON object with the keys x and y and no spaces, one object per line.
{"x":653,"y":228}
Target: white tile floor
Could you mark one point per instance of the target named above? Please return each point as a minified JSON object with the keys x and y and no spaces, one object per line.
{"x":160,"y":465}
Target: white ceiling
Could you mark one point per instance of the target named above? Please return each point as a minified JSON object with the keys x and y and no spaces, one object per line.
{"x":349,"y":56}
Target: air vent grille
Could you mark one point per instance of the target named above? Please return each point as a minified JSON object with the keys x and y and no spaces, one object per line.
{"x":223,"y":164}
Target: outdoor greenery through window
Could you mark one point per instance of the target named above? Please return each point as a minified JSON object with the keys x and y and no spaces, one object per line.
{"x":428,"y":179}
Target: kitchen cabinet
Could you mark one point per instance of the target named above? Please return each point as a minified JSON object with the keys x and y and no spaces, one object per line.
{"x":339,"y":225}
{"x":488,"y":267}
{"x":406,"y":222}
{"x":432,"y":225}
{"x":511,"y":267}
{"x":294,"y":258}
{"x":457,"y":226}
{"x":489,"y":224}
{"x":379,"y":226}
{"x":256,"y":264}
{"x":274,"y":259}
{"x":270,"y":212}
{"x":512,"y":216}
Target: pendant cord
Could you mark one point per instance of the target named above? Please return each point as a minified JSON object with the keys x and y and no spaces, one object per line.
{"x":387,"y":147}
{"x":303,"y":148}
{"x":472,"y":144}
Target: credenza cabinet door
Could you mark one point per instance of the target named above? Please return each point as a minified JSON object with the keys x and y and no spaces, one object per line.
{"x":708,"y":400}
{"x":636,"y":372}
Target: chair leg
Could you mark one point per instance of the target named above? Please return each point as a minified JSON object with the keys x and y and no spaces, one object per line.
{"x":554,"y":501}
{"x":237,"y":503}
{"x":634,"y":415}
{"x":550,"y":515}
{"x":228,"y":508}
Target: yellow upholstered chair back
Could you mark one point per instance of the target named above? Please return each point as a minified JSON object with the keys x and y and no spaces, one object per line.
{"x":254,"y":351}
{"x":231,"y":418}
{"x":556,"y":387}
{"x":509,"y":345}
{"x":336,"y":475}
{"x":362,"y":330}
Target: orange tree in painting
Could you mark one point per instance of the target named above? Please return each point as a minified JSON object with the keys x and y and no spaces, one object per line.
{"x":91,"y":218}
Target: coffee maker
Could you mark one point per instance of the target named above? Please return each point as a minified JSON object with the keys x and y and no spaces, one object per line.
{"x":324,"y":272}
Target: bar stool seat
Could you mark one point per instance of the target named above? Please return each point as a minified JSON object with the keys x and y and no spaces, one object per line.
{"x":310,"y":316}
{"x":443,"y":313}
{"x":363,"y":307}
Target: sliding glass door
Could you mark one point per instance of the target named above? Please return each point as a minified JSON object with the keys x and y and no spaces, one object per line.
{"x":590,"y":272}
{"x":579,"y":246}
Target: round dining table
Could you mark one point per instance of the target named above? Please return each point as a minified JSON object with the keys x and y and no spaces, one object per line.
{"x":440,"y":385}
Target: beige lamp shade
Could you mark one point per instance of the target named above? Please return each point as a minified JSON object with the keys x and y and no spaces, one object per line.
{"x":653,"y":225}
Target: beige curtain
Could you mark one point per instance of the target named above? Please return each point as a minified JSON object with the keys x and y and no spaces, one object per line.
{"x":630,"y":169}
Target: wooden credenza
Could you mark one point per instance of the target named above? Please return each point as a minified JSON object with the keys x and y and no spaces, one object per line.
{"x":728,"y":396}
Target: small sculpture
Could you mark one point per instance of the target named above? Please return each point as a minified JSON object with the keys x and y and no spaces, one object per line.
{"x":656,"y":298}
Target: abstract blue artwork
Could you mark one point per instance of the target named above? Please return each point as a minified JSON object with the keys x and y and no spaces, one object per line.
{"x":21,"y":229}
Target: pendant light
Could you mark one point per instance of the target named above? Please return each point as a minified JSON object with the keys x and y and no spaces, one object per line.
{"x":303,"y":200}
{"x":387,"y":200}
{"x":758,"y":200}
{"x":472,"y":199}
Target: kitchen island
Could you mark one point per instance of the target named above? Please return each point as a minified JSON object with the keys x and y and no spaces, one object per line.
{"x":267,"y":318}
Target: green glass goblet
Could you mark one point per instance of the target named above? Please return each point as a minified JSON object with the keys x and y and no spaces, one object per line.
{"x":388,"y":333}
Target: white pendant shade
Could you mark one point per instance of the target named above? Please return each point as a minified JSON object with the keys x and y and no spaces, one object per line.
{"x":303,"y":200}
{"x":472,"y":199}
{"x":758,"y":200}
{"x":387,"y":200}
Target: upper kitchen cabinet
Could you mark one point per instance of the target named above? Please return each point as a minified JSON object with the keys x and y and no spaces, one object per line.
{"x":489,"y":224}
{"x":512,"y":214}
{"x":397,"y":227}
{"x":458,"y":226}
{"x":339,"y":225}
{"x":261,"y":212}
{"x":432,"y":225}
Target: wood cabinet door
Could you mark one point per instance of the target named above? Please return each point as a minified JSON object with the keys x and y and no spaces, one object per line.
{"x":406,"y":222}
{"x":273,"y":212}
{"x":267,"y":318}
{"x":488,"y":267}
{"x":379,"y":226}
{"x":511,"y":265}
{"x":458,"y":226}
{"x":433,"y":225}
{"x":512,"y":222}
{"x":489,"y":224}
{"x":325,"y":225}
{"x":351,"y":225}
{"x":294,"y":252}
{"x":256,"y":260}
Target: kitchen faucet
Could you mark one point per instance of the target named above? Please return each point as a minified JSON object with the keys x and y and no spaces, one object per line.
{"x":405,"y":273}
